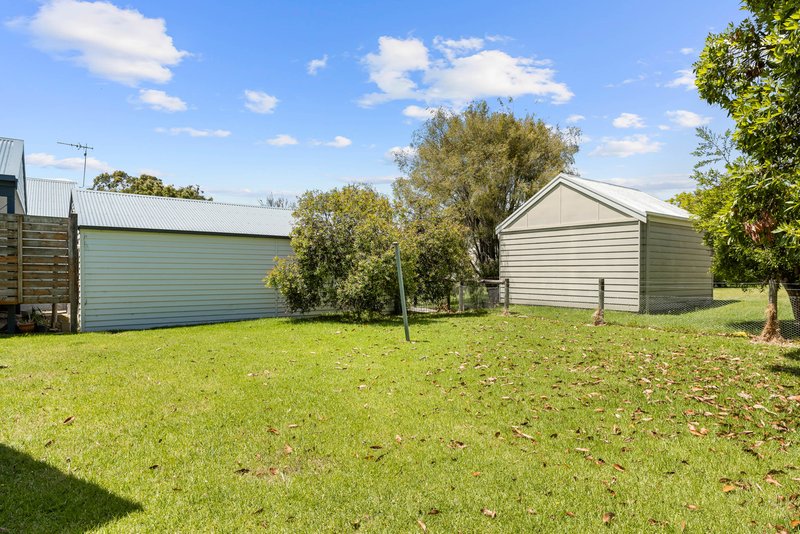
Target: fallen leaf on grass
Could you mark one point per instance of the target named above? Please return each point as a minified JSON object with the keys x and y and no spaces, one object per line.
{"x":433,"y":511}
{"x":422,"y":526}
{"x":570,"y":514}
{"x":49,"y":442}
{"x":695,"y":432}
{"x":769,"y":480}
{"x":618,"y":467}
{"x":273,"y":430}
{"x":795,"y":523}
{"x":476,"y":473}
{"x":68,"y":420}
{"x":692,"y":507}
{"x":293,"y":425}
{"x":288,"y":449}
{"x":581,"y":449}
{"x":242,"y":471}
{"x":608,"y":516}
{"x":489,"y":513}
{"x":154,"y":466}
{"x":456,"y":444}
{"x":520,"y":434}
{"x":727,"y":488}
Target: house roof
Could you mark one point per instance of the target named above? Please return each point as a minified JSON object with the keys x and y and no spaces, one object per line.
{"x":12,"y":163}
{"x":49,"y":198}
{"x":633,"y":202}
{"x":122,"y":211}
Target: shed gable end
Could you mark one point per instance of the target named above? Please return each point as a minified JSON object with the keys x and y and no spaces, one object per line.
{"x":565,"y":206}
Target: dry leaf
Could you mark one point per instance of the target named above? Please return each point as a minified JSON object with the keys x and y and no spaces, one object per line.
{"x":607,"y":517}
{"x":476,"y":473}
{"x":795,"y":522}
{"x":242,"y":471}
{"x":68,"y":420}
{"x":520,"y":434}
{"x":293,"y":425}
{"x":581,"y":449}
{"x":692,"y":507}
{"x":769,"y":480}
{"x":398,"y":438}
{"x":273,"y":430}
{"x":570,"y":514}
{"x":728,"y":488}
{"x":618,"y":467}
{"x":288,"y":449}
{"x":49,"y":442}
{"x":422,"y":526}
{"x":154,"y":466}
{"x":489,"y":513}
{"x":456,"y":444}
{"x":433,"y":511}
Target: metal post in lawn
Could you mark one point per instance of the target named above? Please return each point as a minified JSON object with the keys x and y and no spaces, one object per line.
{"x":461,"y":297}
{"x":505,"y":297}
{"x":599,"y":315}
{"x":402,"y":288}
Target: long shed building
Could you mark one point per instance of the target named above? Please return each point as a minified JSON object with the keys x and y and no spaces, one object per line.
{"x":556,"y":246}
{"x":150,"y":261}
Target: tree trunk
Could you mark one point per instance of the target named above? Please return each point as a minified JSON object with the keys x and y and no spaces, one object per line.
{"x":772,"y":328}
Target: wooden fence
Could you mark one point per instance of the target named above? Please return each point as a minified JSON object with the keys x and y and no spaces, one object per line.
{"x":39,"y":262}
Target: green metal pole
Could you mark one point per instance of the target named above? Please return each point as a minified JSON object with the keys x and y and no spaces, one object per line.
{"x":402,"y":288}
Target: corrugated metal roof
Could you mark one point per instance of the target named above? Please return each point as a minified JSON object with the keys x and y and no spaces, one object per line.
{"x":49,"y":198}
{"x":11,"y":151}
{"x":633,"y":199}
{"x":102,"y":209}
{"x":636,"y":203}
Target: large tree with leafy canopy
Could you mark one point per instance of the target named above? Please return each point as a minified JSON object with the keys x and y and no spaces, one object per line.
{"x":752,"y":70}
{"x":481,"y":165}
{"x":122,"y":182}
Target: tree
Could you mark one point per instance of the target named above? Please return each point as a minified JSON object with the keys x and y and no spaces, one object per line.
{"x":344,"y":258}
{"x":481,"y":165}
{"x":122,"y":182}
{"x":752,"y":70}
{"x":273,"y":201}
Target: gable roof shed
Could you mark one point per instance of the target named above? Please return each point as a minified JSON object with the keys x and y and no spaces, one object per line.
{"x":556,"y":246}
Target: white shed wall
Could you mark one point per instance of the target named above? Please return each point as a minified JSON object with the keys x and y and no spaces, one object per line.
{"x":133,"y":280}
{"x":560,"y":266}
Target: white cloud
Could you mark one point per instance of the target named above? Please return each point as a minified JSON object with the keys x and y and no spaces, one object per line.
{"x":315,"y":65}
{"x":572,"y":119}
{"x":687,"y":119}
{"x":339,"y":141}
{"x":41,"y":159}
{"x":194,"y":132}
{"x":664,"y":127}
{"x":628,"y":81}
{"x":395,"y":151}
{"x":259,"y":101}
{"x":628,"y":120}
{"x":402,"y":69}
{"x":282,"y":140}
{"x":161,"y":101}
{"x":662,"y":186}
{"x":685,"y":79}
{"x":417,"y":112}
{"x":626,"y":146}
{"x":121,"y":45}
{"x":687,"y":51}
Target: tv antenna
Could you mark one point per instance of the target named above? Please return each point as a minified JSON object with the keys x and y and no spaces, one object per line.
{"x":85,"y":148}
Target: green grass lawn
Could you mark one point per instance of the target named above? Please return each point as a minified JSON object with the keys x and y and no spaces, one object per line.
{"x":486,"y":423}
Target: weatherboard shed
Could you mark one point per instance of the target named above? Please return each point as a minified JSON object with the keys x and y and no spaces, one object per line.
{"x":150,"y":261}
{"x":556,"y":246}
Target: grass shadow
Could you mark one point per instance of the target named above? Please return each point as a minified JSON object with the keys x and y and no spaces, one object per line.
{"x":418,"y":318}
{"x":36,"y":497}
{"x":793,"y":370}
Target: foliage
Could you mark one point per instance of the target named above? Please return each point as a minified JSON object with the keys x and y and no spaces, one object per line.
{"x":752,"y":70}
{"x":382,"y":434}
{"x":273,"y":201}
{"x":121,"y":182}
{"x":481,"y":165}
{"x":343,"y":254}
{"x":344,"y":258}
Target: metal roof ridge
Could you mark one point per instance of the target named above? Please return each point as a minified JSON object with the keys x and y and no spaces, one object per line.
{"x":214,"y":202}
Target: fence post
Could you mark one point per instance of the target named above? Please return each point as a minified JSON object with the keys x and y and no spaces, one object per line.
{"x":74,"y":286}
{"x":506,"y":298}
{"x":598,"y":318}
{"x":461,"y":296}
{"x":402,"y":289}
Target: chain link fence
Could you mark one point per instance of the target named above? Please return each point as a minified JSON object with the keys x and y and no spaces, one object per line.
{"x":724,"y":308}
{"x":468,"y":296}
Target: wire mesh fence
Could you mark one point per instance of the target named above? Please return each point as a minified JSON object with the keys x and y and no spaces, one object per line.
{"x":723,"y":308}
{"x":468,"y":296}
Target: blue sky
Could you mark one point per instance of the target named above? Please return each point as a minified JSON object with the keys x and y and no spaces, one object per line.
{"x":247,"y":98}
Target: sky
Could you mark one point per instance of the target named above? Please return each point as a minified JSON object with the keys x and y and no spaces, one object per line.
{"x":248,"y":98}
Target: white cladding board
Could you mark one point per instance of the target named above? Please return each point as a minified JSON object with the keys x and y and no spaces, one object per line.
{"x":676,"y":263}
{"x":560,"y":266}
{"x":134,"y":279}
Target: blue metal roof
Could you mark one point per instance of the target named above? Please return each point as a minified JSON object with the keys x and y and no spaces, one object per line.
{"x":49,"y":198}
{"x":121,"y":211}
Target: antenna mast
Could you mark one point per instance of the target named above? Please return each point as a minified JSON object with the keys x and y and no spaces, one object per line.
{"x":85,"y":148}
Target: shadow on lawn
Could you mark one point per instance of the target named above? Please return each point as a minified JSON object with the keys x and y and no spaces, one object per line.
{"x":789,"y":328}
{"x":36,"y":497}
{"x":413,"y":318}
{"x":793,"y":370}
{"x":690,"y":307}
